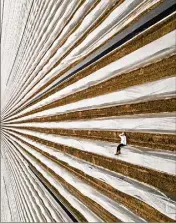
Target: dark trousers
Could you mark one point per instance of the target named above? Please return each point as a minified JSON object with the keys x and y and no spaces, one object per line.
{"x":119,"y":147}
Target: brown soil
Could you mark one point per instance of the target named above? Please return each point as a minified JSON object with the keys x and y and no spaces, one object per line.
{"x":143,"y":139}
{"x":165,"y":68}
{"x":138,"y":207}
{"x":148,"y":36}
{"x":99,"y":21}
{"x":92,"y":205}
{"x":160,"y":180}
{"x":103,"y":17}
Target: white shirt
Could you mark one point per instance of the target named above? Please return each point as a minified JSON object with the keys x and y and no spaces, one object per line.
{"x":123,"y":139}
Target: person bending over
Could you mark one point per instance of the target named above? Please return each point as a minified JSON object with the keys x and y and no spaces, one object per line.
{"x":122,"y":143}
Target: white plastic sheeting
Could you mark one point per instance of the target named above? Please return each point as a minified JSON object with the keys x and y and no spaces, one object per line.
{"x":164,"y":87}
{"x":157,"y":122}
{"x":66,"y":9}
{"x":164,"y":45}
{"x":108,"y":149}
{"x":38,"y":39}
{"x":114,"y":208}
{"x":125,"y":5}
{"x":143,"y":192}
{"x":51,"y":211}
{"x":161,"y":123}
{"x":9,"y":210}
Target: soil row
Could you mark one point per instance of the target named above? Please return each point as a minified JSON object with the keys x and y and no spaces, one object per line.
{"x":92,"y":205}
{"x":148,"y":36}
{"x":111,"y":54}
{"x":135,"y":138}
{"x":56,"y":193}
{"x":99,"y":21}
{"x":136,"y":206}
{"x":145,"y":107}
{"x":163,"y":181}
{"x":165,"y":68}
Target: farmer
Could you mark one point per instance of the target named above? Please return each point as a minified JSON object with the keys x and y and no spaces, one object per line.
{"x":122,"y":143}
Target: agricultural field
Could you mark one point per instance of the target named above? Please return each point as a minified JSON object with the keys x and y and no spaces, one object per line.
{"x":77,"y":76}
